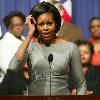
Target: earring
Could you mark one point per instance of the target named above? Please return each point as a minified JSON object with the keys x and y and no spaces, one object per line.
{"x":55,"y":34}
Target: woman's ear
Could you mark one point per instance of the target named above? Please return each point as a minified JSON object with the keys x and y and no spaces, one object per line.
{"x":36,"y":34}
{"x":56,"y":28}
{"x":56,"y":24}
{"x":9,"y":26}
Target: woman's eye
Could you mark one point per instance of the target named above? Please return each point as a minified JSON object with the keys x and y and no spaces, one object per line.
{"x":40,"y":24}
{"x":50,"y":23}
{"x":86,"y":52}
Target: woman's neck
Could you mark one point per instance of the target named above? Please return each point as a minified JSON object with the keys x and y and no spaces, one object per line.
{"x":96,"y":40}
{"x":48,"y":42}
{"x":86,"y":64}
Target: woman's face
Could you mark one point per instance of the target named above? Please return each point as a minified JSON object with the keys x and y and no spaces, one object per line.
{"x":85,"y":54}
{"x":16,"y":26}
{"x":95,"y":28}
{"x":46,"y":26}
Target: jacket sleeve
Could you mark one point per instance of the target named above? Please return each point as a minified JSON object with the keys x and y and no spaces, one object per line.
{"x":76,"y":71}
{"x":17,"y":65}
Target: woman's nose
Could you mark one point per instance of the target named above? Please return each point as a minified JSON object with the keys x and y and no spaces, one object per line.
{"x":82,"y":53}
{"x":45,"y":27}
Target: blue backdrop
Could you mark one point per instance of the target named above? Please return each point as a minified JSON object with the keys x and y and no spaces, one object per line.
{"x":82,"y":11}
{"x":9,"y":5}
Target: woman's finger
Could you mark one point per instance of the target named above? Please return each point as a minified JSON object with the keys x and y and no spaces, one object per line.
{"x":29,"y":19}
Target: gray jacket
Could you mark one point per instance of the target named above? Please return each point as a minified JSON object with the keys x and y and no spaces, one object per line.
{"x":54,"y":80}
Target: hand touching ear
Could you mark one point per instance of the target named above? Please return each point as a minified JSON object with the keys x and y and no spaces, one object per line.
{"x":30,"y":24}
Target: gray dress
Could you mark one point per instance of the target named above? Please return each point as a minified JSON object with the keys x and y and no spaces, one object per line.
{"x":66,"y":60}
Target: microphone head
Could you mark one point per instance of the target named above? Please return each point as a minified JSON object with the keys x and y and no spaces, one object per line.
{"x":50,"y":57}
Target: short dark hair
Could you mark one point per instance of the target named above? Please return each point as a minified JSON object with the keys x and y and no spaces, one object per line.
{"x":85,"y":42}
{"x":45,"y":7}
{"x":92,"y":19}
{"x":7,"y":18}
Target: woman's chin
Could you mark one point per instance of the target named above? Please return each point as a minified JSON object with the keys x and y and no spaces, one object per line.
{"x":46,"y":39}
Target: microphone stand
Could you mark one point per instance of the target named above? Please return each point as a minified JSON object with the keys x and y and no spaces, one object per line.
{"x":50,"y":77}
{"x":50,"y":59}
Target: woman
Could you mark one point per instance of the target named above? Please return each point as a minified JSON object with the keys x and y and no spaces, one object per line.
{"x":86,"y":51}
{"x":48,"y":79}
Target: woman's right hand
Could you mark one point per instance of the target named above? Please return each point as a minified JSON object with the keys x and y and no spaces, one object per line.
{"x":89,"y":92}
{"x":30,"y":26}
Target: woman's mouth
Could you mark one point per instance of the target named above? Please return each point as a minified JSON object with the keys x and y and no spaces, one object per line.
{"x":82,"y":57}
{"x":46,"y":35}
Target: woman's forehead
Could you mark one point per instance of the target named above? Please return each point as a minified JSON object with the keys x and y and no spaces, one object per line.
{"x":45,"y":17}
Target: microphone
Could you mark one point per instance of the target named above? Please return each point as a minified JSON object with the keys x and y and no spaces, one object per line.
{"x":50,"y":59}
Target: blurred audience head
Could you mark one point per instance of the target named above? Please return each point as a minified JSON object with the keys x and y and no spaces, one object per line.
{"x":86,"y":51}
{"x":58,"y":5}
{"x":14,"y":22}
{"x":94,"y":27}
